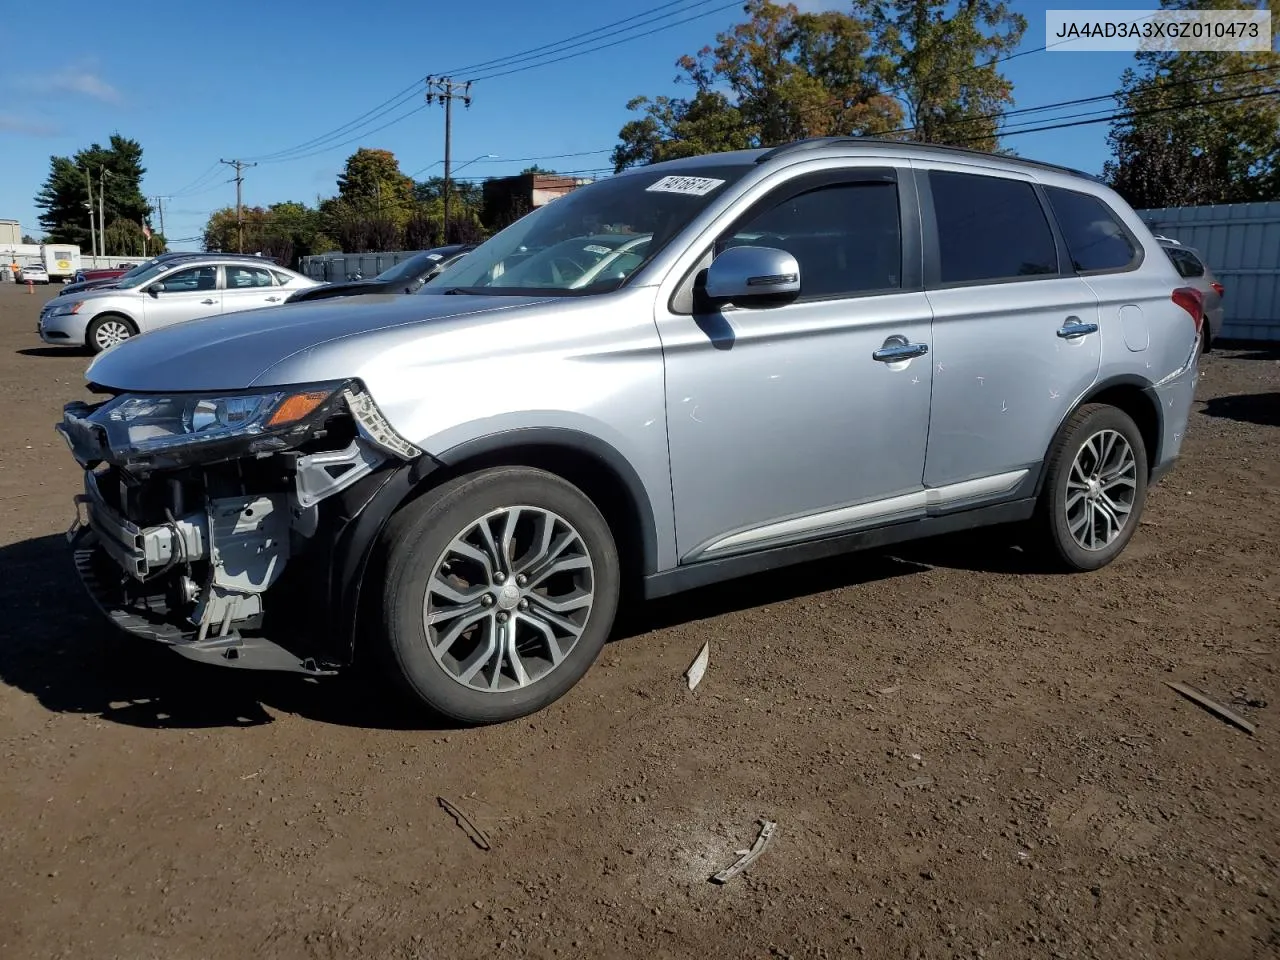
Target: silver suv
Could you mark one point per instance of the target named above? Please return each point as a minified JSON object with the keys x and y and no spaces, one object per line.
{"x":685,"y":373}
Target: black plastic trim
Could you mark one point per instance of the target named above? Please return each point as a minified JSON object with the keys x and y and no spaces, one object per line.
{"x":707,"y":572}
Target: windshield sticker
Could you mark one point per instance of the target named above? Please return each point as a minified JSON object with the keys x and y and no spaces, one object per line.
{"x":433,"y":256}
{"x":690,"y":186}
{"x":596,"y":248}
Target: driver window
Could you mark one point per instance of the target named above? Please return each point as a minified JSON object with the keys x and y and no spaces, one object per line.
{"x":191,"y":281}
{"x":846,"y":237}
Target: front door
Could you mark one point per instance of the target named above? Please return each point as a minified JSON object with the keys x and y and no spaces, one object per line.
{"x":248,"y":288}
{"x":1015,"y":332}
{"x":183,"y":295}
{"x":788,"y":423}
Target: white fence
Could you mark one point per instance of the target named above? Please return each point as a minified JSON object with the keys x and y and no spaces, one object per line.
{"x":1241,"y":244}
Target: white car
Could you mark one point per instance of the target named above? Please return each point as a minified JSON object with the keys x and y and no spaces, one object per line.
{"x":33,"y":273}
{"x":168,"y":292}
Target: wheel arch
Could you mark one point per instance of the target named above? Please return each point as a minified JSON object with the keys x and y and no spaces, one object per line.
{"x":589,"y":463}
{"x":116,"y":314}
{"x":1131,"y":394}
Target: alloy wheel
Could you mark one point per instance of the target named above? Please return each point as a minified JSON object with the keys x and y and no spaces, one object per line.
{"x":1101,"y":489}
{"x":508,"y":599}
{"x":111,"y":332}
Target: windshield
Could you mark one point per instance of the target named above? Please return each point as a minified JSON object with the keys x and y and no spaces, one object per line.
{"x":140,"y":268}
{"x":409,"y":269}
{"x":150,"y":273}
{"x":591,"y":240}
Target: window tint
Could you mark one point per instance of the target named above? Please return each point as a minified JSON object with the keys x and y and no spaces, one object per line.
{"x":240,"y":278}
{"x":845,"y":237}
{"x":990,"y":229}
{"x":1094,"y":237}
{"x":187,"y":281}
{"x":1188,"y":264}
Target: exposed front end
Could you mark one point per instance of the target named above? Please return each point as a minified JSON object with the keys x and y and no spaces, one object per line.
{"x":216,"y":523}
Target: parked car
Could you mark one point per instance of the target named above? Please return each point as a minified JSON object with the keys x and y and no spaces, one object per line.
{"x":1193,"y":268}
{"x":100,"y":283}
{"x":830,"y":345}
{"x":165,"y":293}
{"x":34,"y":272}
{"x":103,"y":273}
{"x":407,"y":276}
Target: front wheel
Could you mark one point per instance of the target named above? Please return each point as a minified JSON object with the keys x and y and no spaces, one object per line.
{"x":500,"y":590}
{"x":107,"y":331}
{"x":1095,"y":488}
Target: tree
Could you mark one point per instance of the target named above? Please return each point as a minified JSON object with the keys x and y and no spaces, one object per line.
{"x":372,"y":184}
{"x":64,"y":196}
{"x":463,"y":193}
{"x":29,"y":239}
{"x":1197,"y":127}
{"x":780,"y":76}
{"x":940,"y":57}
{"x":286,"y":231}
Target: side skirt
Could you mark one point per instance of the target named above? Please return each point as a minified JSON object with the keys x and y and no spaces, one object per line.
{"x":706,"y":572}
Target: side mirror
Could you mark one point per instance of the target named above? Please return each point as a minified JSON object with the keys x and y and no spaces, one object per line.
{"x":155,"y":288}
{"x":753,"y":275}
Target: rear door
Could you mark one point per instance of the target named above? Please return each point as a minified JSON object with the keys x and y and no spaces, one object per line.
{"x":1015,"y":331}
{"x":249,"y":287}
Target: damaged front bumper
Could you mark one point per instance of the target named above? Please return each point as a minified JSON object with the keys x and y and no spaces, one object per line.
{"x":243,"y":561}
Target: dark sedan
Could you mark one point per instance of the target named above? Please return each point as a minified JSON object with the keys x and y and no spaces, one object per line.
{"x":407,"y":276}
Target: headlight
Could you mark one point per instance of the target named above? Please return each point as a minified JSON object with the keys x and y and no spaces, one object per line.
{"x":63,"y":309}
{"x":140,"y":425}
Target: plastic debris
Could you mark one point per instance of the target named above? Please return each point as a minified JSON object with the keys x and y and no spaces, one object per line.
{"x":748,"y":857}
{"x":699,"y":666}
{"x":474,"y":833}
{"x":1208,"y":703}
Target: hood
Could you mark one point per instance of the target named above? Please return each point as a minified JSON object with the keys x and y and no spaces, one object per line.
{"x":340,"y":288}
{"x":231,"y":351}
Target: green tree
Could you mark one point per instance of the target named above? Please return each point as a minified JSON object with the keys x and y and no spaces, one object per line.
{"x":464,"y":194}
{"x":28,"y":239}
{"x":64,"y":195}
{"x":1198,"y":127}
{"x":286,"y":231}
{"x":782,"y":75}
{"x":372,"y":184}
{"x":125,"y":239}
{"x":939,"y":56}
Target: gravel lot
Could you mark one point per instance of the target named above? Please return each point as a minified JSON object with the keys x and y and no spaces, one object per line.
{"x":965,"y":758}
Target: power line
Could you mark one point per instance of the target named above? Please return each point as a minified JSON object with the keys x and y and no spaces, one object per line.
{"x":344,"y":143}
{"x":605,"y":46}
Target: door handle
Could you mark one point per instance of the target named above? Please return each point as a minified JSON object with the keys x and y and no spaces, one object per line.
{"x":272,"y":299}
{"x":1073,"y":328}
{"x":898,"y":348}
{"x":209,"y":301}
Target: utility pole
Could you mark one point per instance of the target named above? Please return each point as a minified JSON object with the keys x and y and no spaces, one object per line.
{"x":102,"y":209}
{"x":93,"y":234}
{"x":445,"y":90}
{"x":160,"y":209}
{"x":239,"y":166}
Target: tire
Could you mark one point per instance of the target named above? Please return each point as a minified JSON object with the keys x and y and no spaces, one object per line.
{"x":1075,"y":524}
{"x":437,"y":541}
{"x":105,"y":331}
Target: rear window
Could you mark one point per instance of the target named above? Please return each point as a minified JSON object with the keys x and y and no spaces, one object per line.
{"x":1187,"y":263}
{"x":990,"y":229}
{"x":1095,"y":238}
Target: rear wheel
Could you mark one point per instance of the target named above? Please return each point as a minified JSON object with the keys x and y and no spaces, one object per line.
{"x":1095,"y":488}
{"x":500,"y":590}
{"x":107,"y":331}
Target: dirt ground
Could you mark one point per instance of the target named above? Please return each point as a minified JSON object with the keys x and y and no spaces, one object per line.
{"x":964,"y":758}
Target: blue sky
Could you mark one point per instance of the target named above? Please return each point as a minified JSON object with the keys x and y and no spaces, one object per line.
{"x":242,"y":80}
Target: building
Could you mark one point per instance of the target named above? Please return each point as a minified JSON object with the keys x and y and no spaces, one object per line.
{"x":508,"y":198}
{"x":10,"y":232}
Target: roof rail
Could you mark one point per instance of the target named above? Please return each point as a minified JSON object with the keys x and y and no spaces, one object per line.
{"x":815,"y":143}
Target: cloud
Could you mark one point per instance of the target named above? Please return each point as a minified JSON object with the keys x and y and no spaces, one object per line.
{"x":84,"y":82}
{"x":11,"y":123}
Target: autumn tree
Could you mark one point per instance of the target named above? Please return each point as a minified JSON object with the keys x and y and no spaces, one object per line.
{"x":1198,"y":127}
{"x":782,"y":75}
{"x":940,"y":58}
{"x":64,"y":197}
{"x":286,"y":231}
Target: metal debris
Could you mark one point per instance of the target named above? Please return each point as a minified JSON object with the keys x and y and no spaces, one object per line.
{"x":474,"y":833}
{"x":1203,"y":700}
{"x":699,"y":666}
{"x":748,"y":857}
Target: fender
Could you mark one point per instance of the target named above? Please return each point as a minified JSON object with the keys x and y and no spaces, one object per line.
{"x":1121,"y":380}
